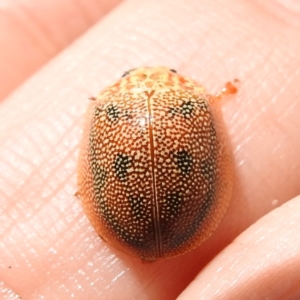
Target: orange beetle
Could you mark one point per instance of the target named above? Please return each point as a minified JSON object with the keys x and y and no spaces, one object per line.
{"x":155,"y":172}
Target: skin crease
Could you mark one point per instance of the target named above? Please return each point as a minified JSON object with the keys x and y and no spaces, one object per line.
{"x":47,"y":245}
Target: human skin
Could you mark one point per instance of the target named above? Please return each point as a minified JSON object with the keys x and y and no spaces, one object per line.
{"x":33,"y":31}
{"x":48,"y":247}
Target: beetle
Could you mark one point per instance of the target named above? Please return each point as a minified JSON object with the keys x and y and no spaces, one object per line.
{"x":155,"y":172}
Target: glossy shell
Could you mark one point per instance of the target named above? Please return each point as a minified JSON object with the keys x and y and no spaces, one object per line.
{"x":155,"y":173}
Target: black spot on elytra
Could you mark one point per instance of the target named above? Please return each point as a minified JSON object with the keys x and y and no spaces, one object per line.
{"x":172,"y":70}
{"x":187,"y":109}
{"x":184,"y":161}
{"x":137,"y":207}
{"x":202,"y":105}
{"x":173,"y":111}
{"x":137,"y":239}
{"x":99,"y":176}
{"x":207,"y":169}
{"x":121,"y":165}
{"x":182,"y":238}
{"x":112,"y":112}
{"x":99,"y":173}
{"x":170,"y":209}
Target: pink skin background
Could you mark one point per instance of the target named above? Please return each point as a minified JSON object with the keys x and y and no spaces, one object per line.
{"x":48,"y":249}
